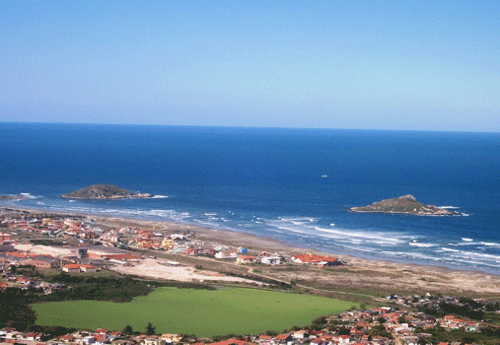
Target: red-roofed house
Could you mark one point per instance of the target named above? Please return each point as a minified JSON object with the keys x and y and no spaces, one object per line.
{"x":88,"y":268}
{"x":67,"y":338}
{"x":246,"y":259}
{"x":315,"y":259}
{"x":71,"y":268}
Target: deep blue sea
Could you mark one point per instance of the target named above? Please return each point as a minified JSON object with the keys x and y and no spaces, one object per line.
{"x":293,"y":185}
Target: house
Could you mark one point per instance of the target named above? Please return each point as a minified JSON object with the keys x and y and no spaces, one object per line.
{"x":302,"y":334}
{"x":71,"y":268}
{"x":153,"y":340}
{"x":88,"y":268}
{"x":171,"y":337}
{"x":283,"y":338}
{"x":5,"y":237}
{"x":67,"y":338}
{"x":32,"y":336}
{"x":271,"y":260}
{"x":315,"y":259}
{"x":43,"y":262}
{"x":225,"y":255}
{"x":246,"y":259}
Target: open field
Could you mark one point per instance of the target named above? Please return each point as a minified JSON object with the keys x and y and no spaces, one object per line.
{"x":191,"y":311}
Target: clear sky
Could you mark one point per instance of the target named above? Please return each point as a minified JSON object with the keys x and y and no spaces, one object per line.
{"x":430,"y":65}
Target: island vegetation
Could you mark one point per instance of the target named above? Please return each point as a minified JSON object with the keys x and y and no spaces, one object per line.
{"x":12,"y":197}
{"x":104,"y":191}
{"x":406,"y":204}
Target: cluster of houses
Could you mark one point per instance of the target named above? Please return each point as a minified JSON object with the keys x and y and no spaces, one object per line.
{"x":85,"y":231}
{"x":17,"y":280}
{"x":357,"y":329}
{"x":52,"y":226}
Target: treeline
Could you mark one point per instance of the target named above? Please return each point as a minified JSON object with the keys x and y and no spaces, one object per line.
{"x":489,"y":335}
{"x":14,"y":311}
{"x":467,"y":307}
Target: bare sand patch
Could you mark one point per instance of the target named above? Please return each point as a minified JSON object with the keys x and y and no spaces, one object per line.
{"x":160,"y":269}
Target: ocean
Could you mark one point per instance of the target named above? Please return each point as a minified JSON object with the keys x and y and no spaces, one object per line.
{"x":293,"y":185}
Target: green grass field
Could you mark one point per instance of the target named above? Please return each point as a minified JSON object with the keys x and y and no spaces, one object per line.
{"x":190,"y":311}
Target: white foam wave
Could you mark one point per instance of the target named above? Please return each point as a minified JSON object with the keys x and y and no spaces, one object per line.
{"x":160,"y":196}
{"x":381,"y":239}
{"x":449,"y":207}
{"x":422,"y":245}
{"x":450,"y":250}
{"x":490,"y":244}
{"x":28,"y":196}
{"x":465,"y":239}
{"x":72,"y":201}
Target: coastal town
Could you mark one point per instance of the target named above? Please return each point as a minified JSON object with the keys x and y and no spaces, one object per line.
{"x":80,"y":245}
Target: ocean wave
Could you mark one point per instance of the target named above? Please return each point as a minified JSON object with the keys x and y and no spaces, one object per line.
{"x":449,"y":207}
{"x":450,"y":250}
{"x":490,"y":244}
{"x":465,"y":239}
{"x":382,"y":239}
{"x":28,"y":196}
{"x":160,"y":197}
{"x":422,"y":245}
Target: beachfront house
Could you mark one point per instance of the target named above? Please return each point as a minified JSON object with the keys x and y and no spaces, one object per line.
{"x":271,"y":260}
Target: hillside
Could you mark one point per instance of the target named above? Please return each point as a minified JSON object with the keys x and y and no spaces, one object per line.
{"x":406,"y":204}
{"x":104,"y":191}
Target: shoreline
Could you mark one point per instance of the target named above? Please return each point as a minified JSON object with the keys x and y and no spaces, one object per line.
{"x":361,"y":273}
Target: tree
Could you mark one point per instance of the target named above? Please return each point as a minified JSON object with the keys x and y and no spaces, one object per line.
{"x":150,"y":330}
{"x":128,"y":330}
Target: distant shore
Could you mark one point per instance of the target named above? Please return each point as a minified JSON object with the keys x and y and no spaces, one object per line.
{"x":361,"y":272}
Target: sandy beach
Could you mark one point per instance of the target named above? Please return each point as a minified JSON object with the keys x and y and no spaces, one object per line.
{"x":357,"y":276}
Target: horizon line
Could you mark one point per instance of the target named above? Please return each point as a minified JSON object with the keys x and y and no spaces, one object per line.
{"x":242,"y":127}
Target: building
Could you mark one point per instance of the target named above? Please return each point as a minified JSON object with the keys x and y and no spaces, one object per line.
{"x":246,"y":259}
{"x":271,"y":260}
{"x":315,"y":259}
{"x":72,"y":268}
{"x":5,"y":238}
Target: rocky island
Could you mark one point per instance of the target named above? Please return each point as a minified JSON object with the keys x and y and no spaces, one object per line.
{"x":12,"y":197}
{"x":406,"y":204}
{"x":104,"y":191}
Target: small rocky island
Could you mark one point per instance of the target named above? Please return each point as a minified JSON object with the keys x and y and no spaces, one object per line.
{"x":12,"y":197}
{"x":406,"y":204}
{"x":104,"y":191}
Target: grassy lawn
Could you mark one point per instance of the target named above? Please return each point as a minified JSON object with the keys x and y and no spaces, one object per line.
{"x":191,"y":311}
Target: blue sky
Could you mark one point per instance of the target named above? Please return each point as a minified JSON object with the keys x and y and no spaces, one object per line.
{"x":424,"y":65}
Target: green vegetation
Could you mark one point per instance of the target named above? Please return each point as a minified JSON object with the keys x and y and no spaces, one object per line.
{"x":406,"y":204}
{"x":99,"y":191}
{"x":195,"y":311}
{"x":13,"y":310}
{"x":490,"y":336}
